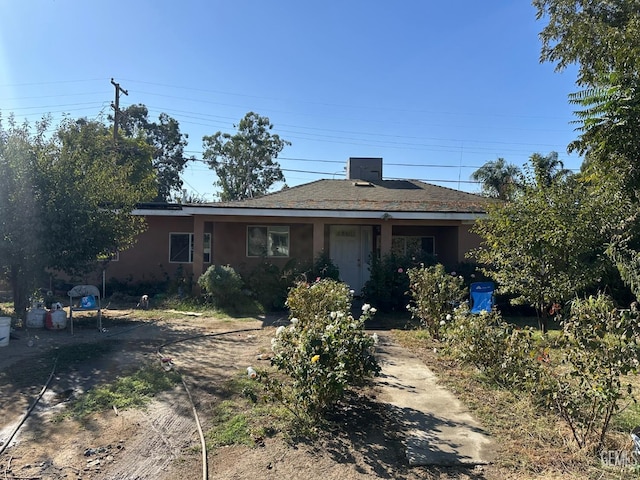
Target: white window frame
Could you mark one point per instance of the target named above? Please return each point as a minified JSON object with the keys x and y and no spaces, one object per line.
{"x":206,"y":247}
{"x":420,"y":237}
{"x":269,"y":249}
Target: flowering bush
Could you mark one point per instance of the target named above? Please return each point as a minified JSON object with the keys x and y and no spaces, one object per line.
{"x":323,"y":352}
{"x":434,"y":294}
{"x":307,"y":301}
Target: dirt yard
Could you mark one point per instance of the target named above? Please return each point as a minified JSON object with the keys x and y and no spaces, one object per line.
{"x":161,"y":441}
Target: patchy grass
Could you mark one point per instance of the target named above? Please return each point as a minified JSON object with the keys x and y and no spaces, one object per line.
{"x":244,"y":417}
{"x":130,"y":391}
{"x":169,"y":309}
{"x":248,"y":307}
{"x":531,"y":444}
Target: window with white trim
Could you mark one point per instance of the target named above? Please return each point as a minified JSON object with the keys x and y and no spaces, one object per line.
{"x":410,"y":245}
{"x":263,"y":241}
{"x":181,"y":248}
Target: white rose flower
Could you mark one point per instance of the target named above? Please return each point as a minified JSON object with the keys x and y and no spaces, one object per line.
{"x":279,"y":330}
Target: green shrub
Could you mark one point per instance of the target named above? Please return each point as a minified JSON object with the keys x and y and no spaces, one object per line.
{"x":580,"y":378}
{"x":318,"y":299}
{"x":222,"y":283}
{"x":270,"y":284}
{"x":505,"y":354}
{"x":323,"y":267}
{"x":388,"y":283}
{"x":324,"y":351}
{"x":434,"y":294}
{"x":599,"y":346}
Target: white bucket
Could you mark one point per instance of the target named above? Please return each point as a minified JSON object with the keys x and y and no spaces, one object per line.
{"x":35,"y":318}
{"x":58,"y":319}
{"x":5,"y":331}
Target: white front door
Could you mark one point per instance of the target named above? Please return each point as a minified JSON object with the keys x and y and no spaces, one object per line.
{"x":350,"y":247}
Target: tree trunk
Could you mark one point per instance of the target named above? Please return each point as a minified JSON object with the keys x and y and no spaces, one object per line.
{"x":20,"y":301}
{"x":542,"y":318}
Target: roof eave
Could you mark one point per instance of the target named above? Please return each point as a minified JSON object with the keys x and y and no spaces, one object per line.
{"x":188,"y":211}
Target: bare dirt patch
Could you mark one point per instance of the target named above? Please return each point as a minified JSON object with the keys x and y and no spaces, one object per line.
{"x":161,"y":441}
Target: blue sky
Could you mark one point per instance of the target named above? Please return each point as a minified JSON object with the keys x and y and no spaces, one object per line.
{"x":434,"y":88}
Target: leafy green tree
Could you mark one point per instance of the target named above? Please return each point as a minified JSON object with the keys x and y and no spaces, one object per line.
{"x":66,"y":199}
{"x":546,"y":245}
{"x":603,"y":40}
{"x":90,"y":189}
{"x":167,"y":143}
{"x":245,"y":162}
{"x":599,"y":37}
{"x":21,"y":255}
{"x":610,"y":120}
{"x":498,"y":179}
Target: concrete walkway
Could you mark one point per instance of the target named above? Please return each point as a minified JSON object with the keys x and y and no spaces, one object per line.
{"x":437,"y":428}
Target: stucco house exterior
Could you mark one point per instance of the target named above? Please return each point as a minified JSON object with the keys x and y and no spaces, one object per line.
{"x":349,"y":219}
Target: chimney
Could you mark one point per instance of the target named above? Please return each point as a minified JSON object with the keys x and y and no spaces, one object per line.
{"x":362,"y":168}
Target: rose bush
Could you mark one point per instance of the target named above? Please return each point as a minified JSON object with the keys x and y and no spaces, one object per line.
{"x":323,"y":352}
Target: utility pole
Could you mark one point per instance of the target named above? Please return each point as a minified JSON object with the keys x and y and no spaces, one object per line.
{"x":116,"y":108}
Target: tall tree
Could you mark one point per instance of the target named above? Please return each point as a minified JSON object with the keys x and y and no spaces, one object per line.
{"x":245,"y":162}
{"x":609,"y":123}
{"x":599,"y":37}
{"x":91,"y":188}
{"x":545,"y":245}
{"x":548,"y":169}
{"x":603,"y":40}
{"x":21,"y":225}
{"x":167,"y":143}
{"x":66,"y":199}
{"x":498,"y":179}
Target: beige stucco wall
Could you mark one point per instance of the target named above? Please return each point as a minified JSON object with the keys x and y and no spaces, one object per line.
{"x":148,"y":259}
{"x":467,"y":241}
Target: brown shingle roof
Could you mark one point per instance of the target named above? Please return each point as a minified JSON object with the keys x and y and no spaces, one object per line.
{"x":354,"y":195}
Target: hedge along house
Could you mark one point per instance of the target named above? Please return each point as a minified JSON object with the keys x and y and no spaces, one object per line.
{"x":350,"y":220}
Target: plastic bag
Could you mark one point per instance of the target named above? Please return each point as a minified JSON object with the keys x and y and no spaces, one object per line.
{"x":88,"y":302}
